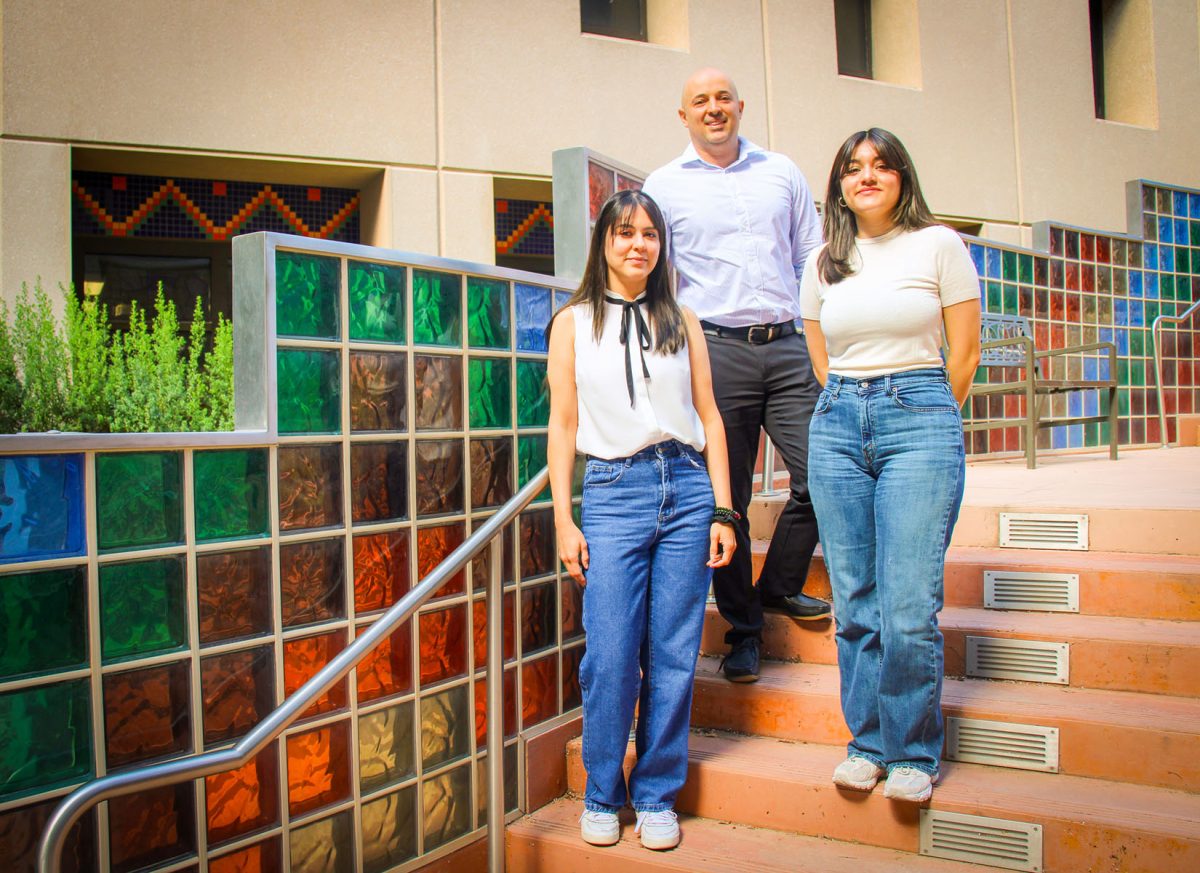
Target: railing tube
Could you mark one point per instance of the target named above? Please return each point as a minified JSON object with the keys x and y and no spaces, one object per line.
{"x":1158,"y":370}
{"x":767,"y":486}
{"x":495,"y":707}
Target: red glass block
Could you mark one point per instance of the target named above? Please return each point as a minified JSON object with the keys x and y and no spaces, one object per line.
{"x":303,"y":657}
{"x":1103,"y":249}
{"x":147,"y":713}
{"x":1056,"y":241}
{"x":1087,"y":247}
{"x":1186,"y":373}
{"x":241,"y":801}
{"x":238,"y":690}
{"x":387,"y":670}
{"x":381,"y":574}
{"x":434,"y":544}
{"x":1058,"y":335}
{"x":479,"y":631}
{"x":318,"y":763}
{"x":537,"y":543}
{"x":510,"y":708}
{"x":378,"y":391}
{"x":1072,"y":276}
{"x":310,"y":486}
{"x":491,"y":472}
{"x":480,"y":565}
{"x":539,"y":691}
{"x":443,"y":641}
{"x":539,"y":618}
{"x":600,"y":188}
{"x":572,"y":608}
{"x":263,"y":857}
{"x":1137,"y":431}
{"x":438,"y":383}
{"x":1088,"y":277}
{"x":572,"y":696}
{"x":312,"y":581}
{"x":1057,"y":274}
{"x":234,"y":594}
{"x":150,"y":827}
{"x":378,"y":481}
{"x":21,"y":830}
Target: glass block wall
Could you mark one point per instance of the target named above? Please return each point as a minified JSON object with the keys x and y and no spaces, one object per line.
{"x":158,"y":597}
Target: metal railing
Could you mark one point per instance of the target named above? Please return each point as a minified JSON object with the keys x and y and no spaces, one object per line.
{"x":1158,"y":370}
{"x":196,"y":766}
{"x":767,"y":484}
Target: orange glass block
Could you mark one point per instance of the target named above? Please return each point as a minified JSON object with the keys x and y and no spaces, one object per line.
{"x":261,"y":857}
{"x":572,"y":607}
{"x":479,"y":631}
{"x":537,"y":543}
{"x":388,"y":669}
{"x":318,"y":764}
{"x":539,"y":618}
{"x":21,"y":830}
{"x":310,"y":486}
{"x":243,"y":800}
{"x":146,"y":713}
{"x":539,"y":691}
{"x":312,"y":581}
{"x":510,"y":708}
{"x":571,"y":695}
{"x":381,"y":574}
{"x":151,"y":827}
{"x":433,"y":545}
{"x":238,"y":690}
{"x":303,"y":657}
{"x":443,"y":643}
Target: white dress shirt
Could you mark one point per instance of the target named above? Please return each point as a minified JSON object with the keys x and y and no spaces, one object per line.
{"x":739,"y":235}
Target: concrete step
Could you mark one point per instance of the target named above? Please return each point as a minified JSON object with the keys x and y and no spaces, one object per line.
{"x":1087,"y":824}
{"x":1118,"y":654}
{"x":1119,"y":736}
{"x":548,"y":840}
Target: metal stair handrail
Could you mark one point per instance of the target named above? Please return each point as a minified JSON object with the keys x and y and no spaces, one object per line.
{"x":1158,"y":371}
{"x":278,"y":720}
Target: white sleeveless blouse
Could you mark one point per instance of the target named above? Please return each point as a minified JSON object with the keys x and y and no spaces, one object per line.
{"x":609,"y":427}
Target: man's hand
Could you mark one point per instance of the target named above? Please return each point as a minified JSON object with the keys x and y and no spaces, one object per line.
{"x":573,"y":550}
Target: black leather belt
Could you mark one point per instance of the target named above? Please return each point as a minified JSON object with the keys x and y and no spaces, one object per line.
{"x":755,"y":334}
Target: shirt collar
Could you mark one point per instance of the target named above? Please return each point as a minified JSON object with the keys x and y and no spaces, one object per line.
{"x":745,"y":150}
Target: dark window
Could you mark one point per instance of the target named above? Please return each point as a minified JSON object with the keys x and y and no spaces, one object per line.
{"x":852,"y":19}
{"x":624,"y":19}
{"x":1096,"y":10}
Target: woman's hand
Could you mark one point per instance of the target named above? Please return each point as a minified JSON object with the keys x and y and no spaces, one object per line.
{"x":573,"y":550}
{"x":721,"y":544}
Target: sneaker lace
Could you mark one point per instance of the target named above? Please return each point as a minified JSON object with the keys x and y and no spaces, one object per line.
{"x":662,"y":817}
{"x":595,"y":816}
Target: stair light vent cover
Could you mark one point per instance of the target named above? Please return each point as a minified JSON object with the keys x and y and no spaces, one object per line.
{"x":1034,"y":592}
{"x":1043,"y":530}
{"x":1023,"y":660}
{"x":1002,"y":744}
{"x":996,"y":842}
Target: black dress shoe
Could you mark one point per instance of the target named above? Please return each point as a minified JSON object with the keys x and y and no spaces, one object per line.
{"x":798,"y":606}
{"x":741,"y":664}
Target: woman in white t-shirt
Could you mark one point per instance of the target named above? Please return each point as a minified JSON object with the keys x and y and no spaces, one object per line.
{"x":630,"y":388}
{"x":886,"y":461}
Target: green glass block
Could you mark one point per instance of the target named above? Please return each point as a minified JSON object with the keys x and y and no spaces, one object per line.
{"x":1091,"y":434}
{"x":531,"y":458}
{"x":489,"y":392}
{"x":231,"y":494}
{"x":43,"y":622}
{"x":1137,"y":342}
{"x":309,"y":391}
{"x":45,"y":738}
{"x":437,"y":308}
{"x":139,"y":499}
{"x":306,"y":295}
{"x":1010,"y":300}
{"x":1025,"y":269}
{"x":1152,"y":310}
{"x":376,"y":302}
{"x":995,"y":297}
{"x":1122,"y":401}
{"x":1009,"y":260}
{"x":533,"y":394}
{"x":488,"y":319}
{"x":1137,"y":374}
{"x":1194,"y":232}
{"x":142,"y":608}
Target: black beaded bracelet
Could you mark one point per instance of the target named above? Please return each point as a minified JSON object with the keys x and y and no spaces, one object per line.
{"x":725,"y":515}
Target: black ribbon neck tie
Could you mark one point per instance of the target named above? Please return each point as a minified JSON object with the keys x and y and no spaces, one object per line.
{"x":631,"y":310}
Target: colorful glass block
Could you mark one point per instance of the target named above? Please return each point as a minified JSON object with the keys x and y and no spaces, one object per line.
{"x":231,"y":494}
{"x":302,"y":658}
{"x":43,"y":622}
{"x":263,"y":857}
{"x":21,"y":831}
{"x":243,"y":800}
{"x":601,"y":186}
{"x":308,"y":387}
{"x":325,"y":846}
{"x":509,"y":694}
{"x":480,"y":635}
{"x":533,"y":394}
{"x":489,"y":394}
{"x":534,"y":308}
{"x":443,"y":641}
{"x":386,"y":748}
{"x":510,"y":784}
{"x":481,"y":564}
{"x":45,"y":738}
{"x":318,"y":767}
{"x":537,"y":543}
{"x":310,"y":487}
{"x":142,"y":607}
{"x":306,"y":295}
{"x":446,"y":802}
{"x":147,"y":713}
{"x":139,"y":499}
{"x":491,"y":472}
{"x":312,"y":581}
{"x":233,"y":591}
{"x":378,"y":391}
{"x":572,"y":609}
{"x":437,"y":381}
{"x":41,"y":507}
{"x":389,"y":830}
{"x":378,"y":481}
{"x":571,"y":694}
{"x":539,"y":691}
{"x":531,"y":459}
{"x":446,"y":725}
{"x":151,"y":827}
{"x":386,"y":671}
{"x":539,"y":618}
{"x":376,"y":302}
{"x":439,"y":477}
{"x":238,"y":690}
{"x":487,"y":313}
{"x":434,"y":545}
{"x":381,"y":574}
{"x":437,"y":308}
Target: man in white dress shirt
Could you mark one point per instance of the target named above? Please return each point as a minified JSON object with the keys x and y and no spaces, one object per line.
{"x":742,"y":223}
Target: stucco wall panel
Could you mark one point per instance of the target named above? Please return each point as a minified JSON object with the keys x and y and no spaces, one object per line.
{"x":35,"y":218}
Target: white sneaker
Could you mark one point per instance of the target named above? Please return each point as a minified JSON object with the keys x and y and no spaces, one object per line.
{"x":857,"y":773}
{"x":909,"y":783}
{"x":659,"y":830}
{"x":599,"y":828}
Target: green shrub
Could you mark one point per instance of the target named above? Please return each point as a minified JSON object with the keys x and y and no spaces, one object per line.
{"x":11,"y":393}
{"x":42,"y":359}
{"x":88,"y":342}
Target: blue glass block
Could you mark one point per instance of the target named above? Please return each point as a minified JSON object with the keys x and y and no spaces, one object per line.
{"x":1166,"y":229}
{"x":978,"y":257}
{"x":1135,"y":285}
{"x":1074,"y":404}
{"x":1150,"y":257}
{"x":560,"y":299}
{"x":1091,"y":403}
{"x":1106,"y":334}
{"x":1194,"y":206}
{"x":1180,"y":199}
{"x":1167,"y":259}
{"x":1137,"y":315}
{"x":1105,"y":370}
{"x":1151,"y":286}
{"x":993,"y":263}
{"x":1090,"y":367}
{"x":1123,"y":343}
{"x":1181,"y":231}
{"x":1075,"y":441}
{"x":1058,"y":437}
{"x":533,"y":314}
{"x":41,"y":507}
{"x":1120,"y":311}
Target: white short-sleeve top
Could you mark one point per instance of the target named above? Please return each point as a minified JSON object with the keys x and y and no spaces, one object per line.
{"x":662,"y":409}
{"x":887,"y":316}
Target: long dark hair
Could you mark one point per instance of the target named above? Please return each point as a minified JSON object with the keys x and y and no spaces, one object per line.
{"x":663,"y":314}
{"x":840,"y":225}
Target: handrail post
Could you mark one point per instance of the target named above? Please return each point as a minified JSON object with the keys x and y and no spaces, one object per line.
{"x":495,"y":705}
{"x":767,"y":488}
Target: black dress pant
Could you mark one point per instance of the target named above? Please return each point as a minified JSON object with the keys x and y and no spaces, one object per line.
{"x":769,"y":387}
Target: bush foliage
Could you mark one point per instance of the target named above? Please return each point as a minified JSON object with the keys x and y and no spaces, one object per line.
{"x":84,"y":376}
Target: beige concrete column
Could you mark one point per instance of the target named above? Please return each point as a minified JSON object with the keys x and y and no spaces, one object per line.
{"x":407,"y":219}
{"x":35,"y":217}
{"x":470,"y":225}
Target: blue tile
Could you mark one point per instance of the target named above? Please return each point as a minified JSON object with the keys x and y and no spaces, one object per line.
{"x":978,"y":257}
{"x":1075,"y":439}
{"x":993,"y":263}
{"x":533,"y":314}
{"x":1074,"y":404}
{"x":1137,"y":310}
{"x":41,"y":507}
{"x":1123,"y":342}
{"x":1058,"y":437}
{"x":1106,"y":334}
{"x":1194,"y":206}
{"x":1150,"y":257}
{"x":1151,"y":286}
{"x":1167,"y":259}
{"x":1091,"y":403}
{"x":1090,"y":368}
{"x":1105,"y":370}
{"x":1180,"y":200}
{"x":1181,"y":231}
{"x":1135,"y":286}
{"x":1120,"y":311}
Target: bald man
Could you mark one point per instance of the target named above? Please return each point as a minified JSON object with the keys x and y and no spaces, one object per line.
{"x":742,"y":222}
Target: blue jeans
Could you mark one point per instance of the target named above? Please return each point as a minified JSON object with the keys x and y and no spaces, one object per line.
{"x":646,"y":519}
{"x":886,"y":469}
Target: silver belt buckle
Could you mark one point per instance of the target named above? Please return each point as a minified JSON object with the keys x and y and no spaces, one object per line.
{"x":766,"y":331}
